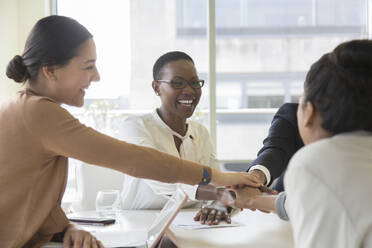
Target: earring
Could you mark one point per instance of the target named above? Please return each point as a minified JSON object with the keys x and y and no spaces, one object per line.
{"x":157,"y":93}
{"x":53,"y":78}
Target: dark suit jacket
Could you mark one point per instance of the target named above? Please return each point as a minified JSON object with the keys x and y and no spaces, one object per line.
{"x":281,"y":143}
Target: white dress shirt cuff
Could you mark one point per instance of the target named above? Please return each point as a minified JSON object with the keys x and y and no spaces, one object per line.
{"x":264,"y":171}
{"x":190,"y":191}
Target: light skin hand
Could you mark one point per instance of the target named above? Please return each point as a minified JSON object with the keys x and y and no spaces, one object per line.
{"x":234,"y":178}
{"x":244,"y":197}
{"x":77,"y":238}
{"x":249,"y":198}
{"x":259,"y":175}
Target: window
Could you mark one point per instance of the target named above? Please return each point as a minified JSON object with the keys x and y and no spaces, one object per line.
{"x":273,"y":17}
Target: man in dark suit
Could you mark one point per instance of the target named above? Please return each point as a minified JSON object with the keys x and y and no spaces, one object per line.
{"x":280,"y":145}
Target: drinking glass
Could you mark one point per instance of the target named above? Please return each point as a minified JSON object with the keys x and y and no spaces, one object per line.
{"x":108,"y":203}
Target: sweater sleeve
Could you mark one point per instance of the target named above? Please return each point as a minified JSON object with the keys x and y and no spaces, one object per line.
{"x":62,"y":134}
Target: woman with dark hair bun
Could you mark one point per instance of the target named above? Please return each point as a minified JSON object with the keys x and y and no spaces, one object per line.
{"x":37,"y":136}
{"x":328,"y":185}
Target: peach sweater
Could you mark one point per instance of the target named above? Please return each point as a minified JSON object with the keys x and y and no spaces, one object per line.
{"x":37,"y":136}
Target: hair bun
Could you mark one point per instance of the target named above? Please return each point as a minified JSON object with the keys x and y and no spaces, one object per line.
{"x":17,"y":70}
{"x":355,"y":56}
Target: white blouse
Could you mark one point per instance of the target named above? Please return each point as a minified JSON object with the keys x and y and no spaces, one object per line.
{"x":151,"y":131}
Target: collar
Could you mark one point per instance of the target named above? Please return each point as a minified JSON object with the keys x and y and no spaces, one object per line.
{"x":168,"y":129}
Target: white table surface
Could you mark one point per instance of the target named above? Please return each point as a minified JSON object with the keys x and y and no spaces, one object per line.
{"x":257,"y":230}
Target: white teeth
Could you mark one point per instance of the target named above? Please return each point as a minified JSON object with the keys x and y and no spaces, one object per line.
{"x":185,"y":101}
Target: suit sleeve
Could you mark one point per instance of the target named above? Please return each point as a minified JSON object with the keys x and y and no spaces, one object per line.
{"x":281,"y":143}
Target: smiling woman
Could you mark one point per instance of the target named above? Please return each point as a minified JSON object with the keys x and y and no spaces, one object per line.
{"x":167,"y":129}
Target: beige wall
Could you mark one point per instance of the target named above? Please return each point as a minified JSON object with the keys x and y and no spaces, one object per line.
{"x":16,"y":20}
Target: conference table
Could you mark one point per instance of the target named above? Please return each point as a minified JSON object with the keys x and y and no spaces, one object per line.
{"x":257,"y":230}
{"x":250,"y":229}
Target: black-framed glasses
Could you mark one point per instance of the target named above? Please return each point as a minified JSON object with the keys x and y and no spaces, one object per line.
{"x":180,"y":84}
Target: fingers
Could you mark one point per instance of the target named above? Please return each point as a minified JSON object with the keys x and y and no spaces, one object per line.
{"x":265,"y":211}
{"x":211,"y":216}
{"x":94,"y":243}
{"x":234,"y":178}
{"x":100,"y":245}
{"x":204,"y":215}
{"x":267,"y":190}
{"x":87,"y":241}
{"x":228,"y":218}
{"x":218,"y":217}
{"x":80,"y":238}
{"x":67,"y":241}
{"x":197,"y":216}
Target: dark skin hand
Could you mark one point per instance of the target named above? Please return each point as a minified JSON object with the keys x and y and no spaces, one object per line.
{"x":212,"y":216}
{"x":213,"y":213}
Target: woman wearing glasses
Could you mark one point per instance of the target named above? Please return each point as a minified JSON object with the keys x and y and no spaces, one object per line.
{"x":168,"y":129}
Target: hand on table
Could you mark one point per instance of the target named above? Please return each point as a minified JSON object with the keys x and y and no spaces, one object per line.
{"x":212,"y":214}
{"x":77,"y":238}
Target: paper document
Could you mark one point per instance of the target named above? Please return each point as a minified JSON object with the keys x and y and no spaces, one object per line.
{"x":185,"y":220}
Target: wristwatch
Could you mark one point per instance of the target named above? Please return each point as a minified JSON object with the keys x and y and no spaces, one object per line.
{"x":207,"y":176}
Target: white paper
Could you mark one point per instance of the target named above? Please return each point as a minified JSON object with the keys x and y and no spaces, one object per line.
{"x":185,"y":220}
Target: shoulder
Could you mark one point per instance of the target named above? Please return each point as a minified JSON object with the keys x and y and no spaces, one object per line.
{"x":43,"y":108}
{"x":136,"y":126}
{"x":288,"y":111}
{"x":311,"y":155}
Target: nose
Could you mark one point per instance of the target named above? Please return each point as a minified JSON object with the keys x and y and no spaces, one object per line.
{"x":96,"y":77}
{"x":188,"y":88}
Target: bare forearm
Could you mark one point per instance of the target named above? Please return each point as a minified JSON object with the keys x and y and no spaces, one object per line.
{"x":262,"y":202}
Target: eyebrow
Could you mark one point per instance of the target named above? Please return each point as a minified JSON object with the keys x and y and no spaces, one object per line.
{"x":90,"y":61}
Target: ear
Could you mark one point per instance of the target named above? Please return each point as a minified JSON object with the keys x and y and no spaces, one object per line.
{"x":309,"y":114}
{"x":156,"y":87}
{"x":49,"y":72}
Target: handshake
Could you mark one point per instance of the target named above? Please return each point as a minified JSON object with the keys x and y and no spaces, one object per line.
{"x":253,"y":198}
{"x":242,"y":197}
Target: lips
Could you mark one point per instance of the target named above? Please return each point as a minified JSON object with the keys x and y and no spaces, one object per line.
{"x":82,"y":90}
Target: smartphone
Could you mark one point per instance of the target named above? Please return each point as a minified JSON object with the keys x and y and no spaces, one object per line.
{"x":96,"y":221}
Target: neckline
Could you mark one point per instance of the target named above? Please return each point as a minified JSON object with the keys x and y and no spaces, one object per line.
{"x":170,"y":130}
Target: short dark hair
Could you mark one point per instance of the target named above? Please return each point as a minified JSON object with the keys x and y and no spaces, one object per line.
{"x":166,"y":58}
{"x":339,"y":85}
{"x":53,"y":41}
